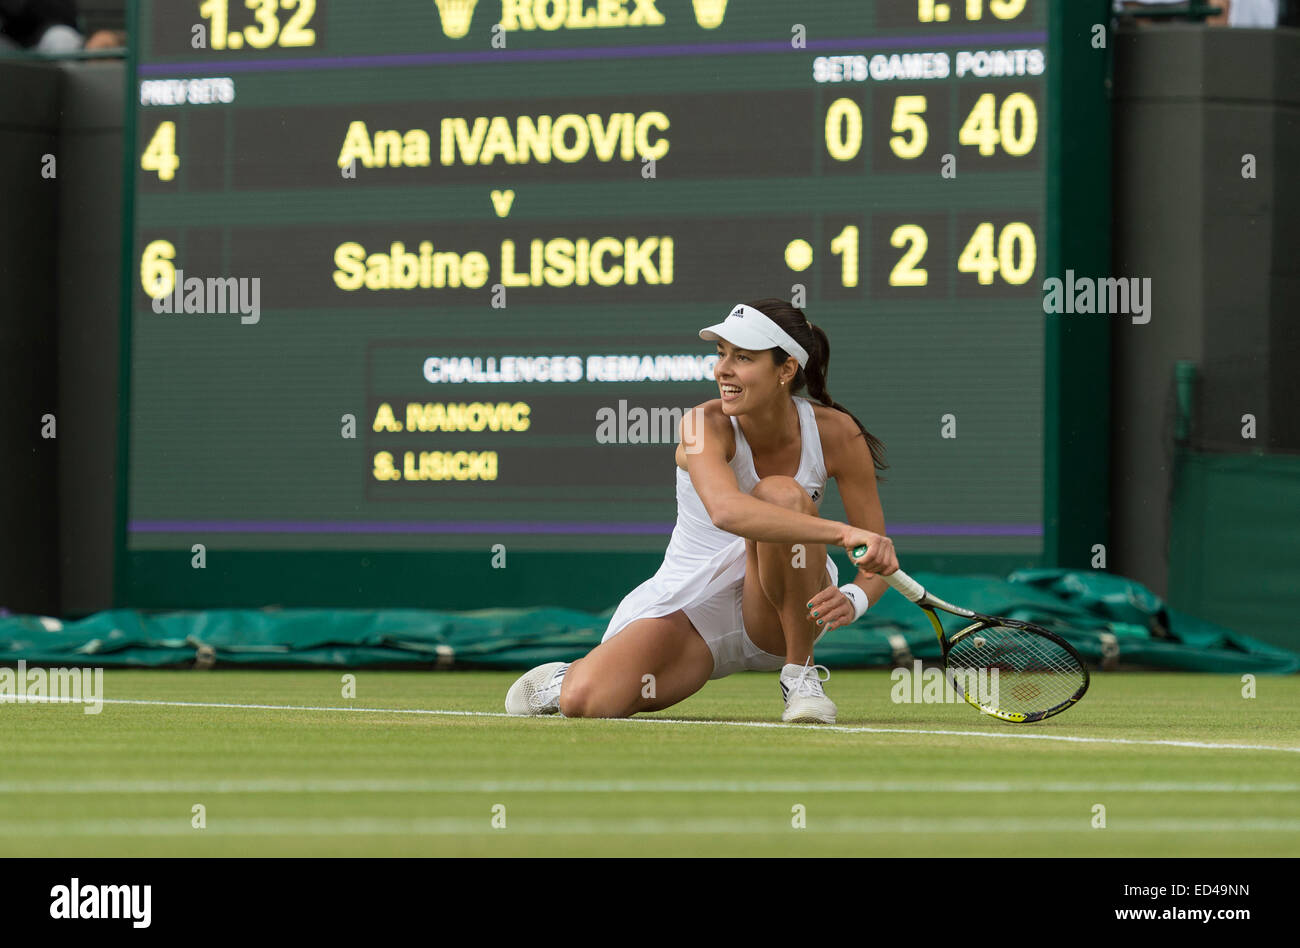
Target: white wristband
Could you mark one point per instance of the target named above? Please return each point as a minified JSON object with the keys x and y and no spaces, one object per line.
{"x":858,"y":597}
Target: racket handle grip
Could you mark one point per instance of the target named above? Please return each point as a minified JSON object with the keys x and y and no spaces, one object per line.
{"x":905,"y":584}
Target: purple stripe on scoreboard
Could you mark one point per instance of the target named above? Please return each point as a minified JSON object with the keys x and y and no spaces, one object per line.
{"x":528,"y":526}
{"x":602,"y":52}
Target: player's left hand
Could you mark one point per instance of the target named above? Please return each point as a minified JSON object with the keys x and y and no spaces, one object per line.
{"x":831,"y":608}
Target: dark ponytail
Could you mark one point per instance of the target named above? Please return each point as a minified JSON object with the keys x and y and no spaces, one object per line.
{"x":813,"y":338}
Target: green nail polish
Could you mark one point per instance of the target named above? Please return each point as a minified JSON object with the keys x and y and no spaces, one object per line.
{"x":819,"y":621}
{"x":815,"y":614}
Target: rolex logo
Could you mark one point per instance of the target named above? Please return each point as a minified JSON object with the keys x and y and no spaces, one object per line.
{"x":709,"y":13}
{"x":456,"y":16}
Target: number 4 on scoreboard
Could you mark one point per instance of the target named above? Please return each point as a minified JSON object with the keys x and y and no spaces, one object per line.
{"x":160,"y":155}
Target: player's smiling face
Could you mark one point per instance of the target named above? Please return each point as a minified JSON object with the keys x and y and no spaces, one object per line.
{"x":745,"y":377}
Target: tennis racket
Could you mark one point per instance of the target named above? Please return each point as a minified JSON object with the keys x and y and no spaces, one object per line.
{"x":1015,"y":671}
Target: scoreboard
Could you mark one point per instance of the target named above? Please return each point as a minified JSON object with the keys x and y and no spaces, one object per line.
{"x":412,"y":288}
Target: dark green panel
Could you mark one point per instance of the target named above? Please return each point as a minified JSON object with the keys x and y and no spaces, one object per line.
{"x":29,"y":121}
{"x":89,"y":281}
{"x":1077,"y":347}
{"x":590,"y":581}
{"x":231,"y":433}
{"x":1233,"y":556}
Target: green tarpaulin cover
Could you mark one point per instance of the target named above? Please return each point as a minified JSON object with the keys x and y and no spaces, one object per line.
{"x":1112,"y":621}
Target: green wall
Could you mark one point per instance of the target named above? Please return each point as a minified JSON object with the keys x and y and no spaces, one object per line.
{"x":1234,"y":550}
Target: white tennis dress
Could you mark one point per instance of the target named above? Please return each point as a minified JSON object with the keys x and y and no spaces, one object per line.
{"x":703,"y":572}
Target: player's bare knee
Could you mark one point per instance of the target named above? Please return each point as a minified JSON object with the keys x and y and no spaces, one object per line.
{"x":575,"y":695}
{"x":581,"y":698}
{"x":784,"y":492}
{"x":577,"y":705}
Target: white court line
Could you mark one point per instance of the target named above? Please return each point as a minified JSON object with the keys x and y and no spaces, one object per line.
{"x":418,"y":785}
{"x":838,"y":728}
{"x":453,"y":826}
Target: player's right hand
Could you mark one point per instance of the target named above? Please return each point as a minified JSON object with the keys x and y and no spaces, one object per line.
{"x":879,"y":558}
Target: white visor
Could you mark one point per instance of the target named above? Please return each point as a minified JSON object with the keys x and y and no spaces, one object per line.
{"x":748,"y":328}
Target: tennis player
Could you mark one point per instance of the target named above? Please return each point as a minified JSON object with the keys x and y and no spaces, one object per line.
{"x":746,"y":582}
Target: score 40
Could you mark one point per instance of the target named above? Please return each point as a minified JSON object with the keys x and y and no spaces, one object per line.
{"x":1013,"y":125}
{"x":1011,"y":253}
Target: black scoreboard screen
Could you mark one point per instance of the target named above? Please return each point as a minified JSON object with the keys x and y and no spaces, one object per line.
{"x":425,"y":276}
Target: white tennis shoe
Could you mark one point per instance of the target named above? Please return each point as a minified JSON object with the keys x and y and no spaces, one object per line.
{"x":804,"y":699}
{"x":537,"y":691}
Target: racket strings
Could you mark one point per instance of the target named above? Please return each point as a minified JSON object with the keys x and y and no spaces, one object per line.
{"x":1017,"y":670}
